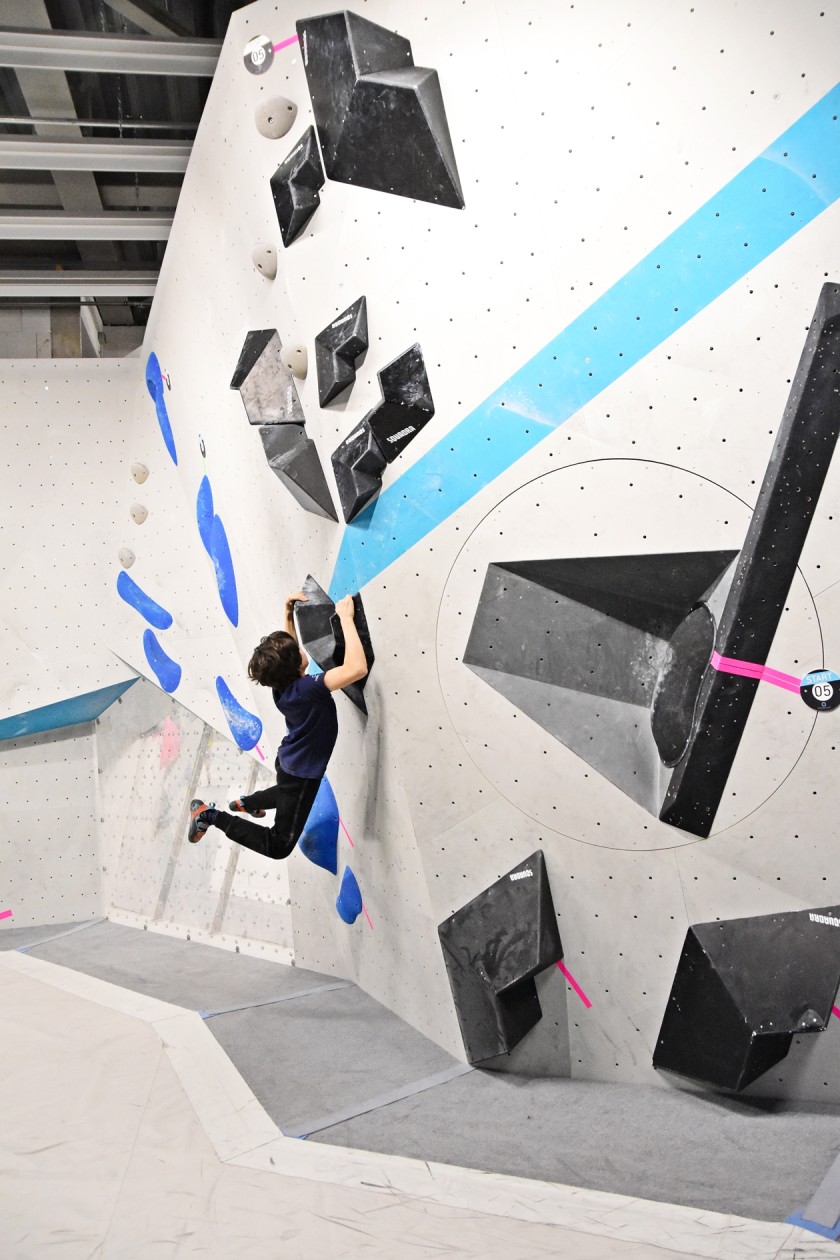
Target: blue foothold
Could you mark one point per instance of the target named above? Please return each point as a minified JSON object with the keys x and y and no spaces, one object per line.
{"x":319,"y":841}
{"x":348,"y":903}
{"x":204,"y":513}
{"x":167,"y":671}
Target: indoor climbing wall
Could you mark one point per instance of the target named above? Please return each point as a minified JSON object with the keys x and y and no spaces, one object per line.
{"x":501,"y":318}
{"x":66,"y":496}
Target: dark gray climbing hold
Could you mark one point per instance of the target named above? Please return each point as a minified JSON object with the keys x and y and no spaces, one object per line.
{"x":743,"y":989}
{"x":358,"y":464}
{"x":493,"y":948}
{"x":266,"y":385}
{"x":294,"y":187}
{"x":380,"y":118}
{"x":322,"y":638}
{"x":338,"y":348}
{"x":293,"y":458}
{"x":406,"y":405}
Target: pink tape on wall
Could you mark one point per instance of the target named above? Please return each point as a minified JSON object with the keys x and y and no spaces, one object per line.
{"x":745,"y":669}
{"x":578,"y":990}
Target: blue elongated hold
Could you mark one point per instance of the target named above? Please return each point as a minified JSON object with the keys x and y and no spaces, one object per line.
{"x":223,"y":564}
{"x":167,"y":671}
{"x":245,"y":727}
{"x":147,"y":607}
{"x":204,"y":512}
{"x":154,"y":384}
{"x":319,"y":841}
{"x":348,"y":903}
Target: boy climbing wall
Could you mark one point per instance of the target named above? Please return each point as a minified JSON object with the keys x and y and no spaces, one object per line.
{"x":307,"y":704}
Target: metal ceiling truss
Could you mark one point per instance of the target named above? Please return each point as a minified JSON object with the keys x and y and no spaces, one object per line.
{"x":60,"y":183}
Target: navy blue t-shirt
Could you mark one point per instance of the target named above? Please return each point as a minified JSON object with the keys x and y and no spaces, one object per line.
{"x":311,"y":726}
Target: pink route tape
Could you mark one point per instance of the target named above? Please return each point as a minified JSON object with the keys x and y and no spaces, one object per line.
{"x":367,"y":916}
{"x":5,"y":914}
{"x":261,"y":753}
{"x":286,"y":43}
{"x":347,"y":833}
{"x":763,"y":673}
{"x":834,"y":1009}
{"x":578,"y":990}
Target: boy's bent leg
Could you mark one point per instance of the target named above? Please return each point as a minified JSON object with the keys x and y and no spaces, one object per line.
{"x":294,"y":800}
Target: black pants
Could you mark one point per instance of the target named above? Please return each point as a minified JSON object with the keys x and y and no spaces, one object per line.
{"x":292,"y":798}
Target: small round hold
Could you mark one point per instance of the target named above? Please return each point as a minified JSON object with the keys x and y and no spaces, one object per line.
{"x":264,"y":258}
{"x":296,"y":360}
{"x":138,"y":513}
{"x":275,"y":117}
{"x":127,"y":557}
{"x":139,"y":472}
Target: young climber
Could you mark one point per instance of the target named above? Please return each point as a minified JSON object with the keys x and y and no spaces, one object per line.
{"x":307,"y":704}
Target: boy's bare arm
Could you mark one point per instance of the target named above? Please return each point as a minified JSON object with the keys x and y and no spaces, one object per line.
{"x":355,"y":665}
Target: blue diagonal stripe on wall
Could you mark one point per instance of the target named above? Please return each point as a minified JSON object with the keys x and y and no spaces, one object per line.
{"x":767,"y":203}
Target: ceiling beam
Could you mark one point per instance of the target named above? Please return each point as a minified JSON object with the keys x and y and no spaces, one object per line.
{"x":112,"y":124}
{"x":83,"y":284}
{"x":108,"y":54}
{"x":150,"y":19}
{"x":45,"y":225}
{"x":48,"y":153}
{"x":145,"y":194}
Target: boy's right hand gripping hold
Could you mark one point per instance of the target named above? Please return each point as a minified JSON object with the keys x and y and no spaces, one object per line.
{"x":355,"y":665}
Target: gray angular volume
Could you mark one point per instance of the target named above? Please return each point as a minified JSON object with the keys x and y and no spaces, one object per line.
{"x":493,"y":948}
{"x":406,"y":407}
{"x":293,"y":458}
{"x":381,"y":119}
{"x":743,"y":989}
{"x":294,"y":187}
{"x":592,"y":648}
{"x":322,"y":638}
{"x":266,"y":386}
{"x":338,"y":348}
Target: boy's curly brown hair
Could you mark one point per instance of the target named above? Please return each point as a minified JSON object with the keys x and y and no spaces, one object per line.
{"x":276,"y":661}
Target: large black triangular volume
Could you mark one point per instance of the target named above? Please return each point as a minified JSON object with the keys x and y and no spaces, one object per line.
{"x":493,"y":948}
{"x":321,"y":637}
{"x":294,"y":187}
{"x":381,"y":119}
{"x":338,"y":347}
{"x":743,"y":989}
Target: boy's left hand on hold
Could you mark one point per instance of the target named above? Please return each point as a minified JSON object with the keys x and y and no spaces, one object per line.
{"x":291,"y":600}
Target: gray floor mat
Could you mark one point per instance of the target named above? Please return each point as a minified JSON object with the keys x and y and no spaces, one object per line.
{"x":761,"y":1160}
{"x":199,"y":977}
{"x":321,"y":1054}
{"x":23,"y":937}
{"x":318,"y":1055}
